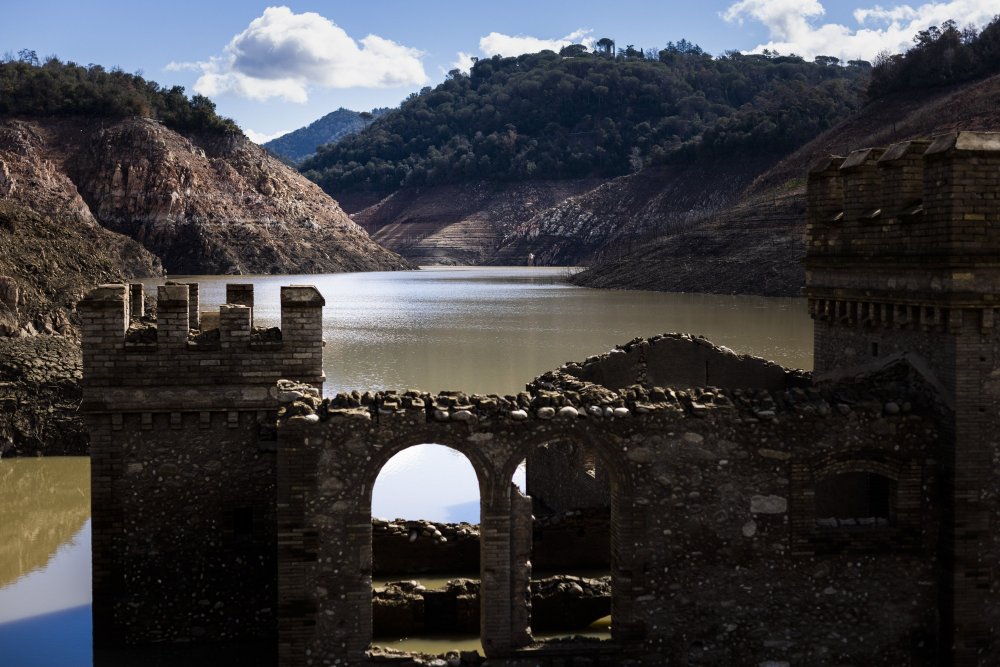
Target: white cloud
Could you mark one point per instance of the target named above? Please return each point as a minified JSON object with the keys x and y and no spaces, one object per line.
{"x":262,"y":138}
{"x":463,"y":62}
{"x":282,"y":54}
{"x":500,"y":44}
{"x":792,"y":27}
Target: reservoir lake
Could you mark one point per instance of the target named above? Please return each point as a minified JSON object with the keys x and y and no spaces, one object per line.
{"x":480,"y":330}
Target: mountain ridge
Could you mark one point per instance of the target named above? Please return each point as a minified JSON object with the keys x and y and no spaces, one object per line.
{"x":301,"y":144}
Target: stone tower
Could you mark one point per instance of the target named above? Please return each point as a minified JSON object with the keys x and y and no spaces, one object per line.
{"x":903,"y":261}
{"x":183,"y":461}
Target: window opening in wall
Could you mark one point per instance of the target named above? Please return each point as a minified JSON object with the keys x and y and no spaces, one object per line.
{"x":571,"y":538}
{"x":425,"y":552}
{"x":243,"y":522}
{"x":874,"y":349}
{"x":855,"y":499}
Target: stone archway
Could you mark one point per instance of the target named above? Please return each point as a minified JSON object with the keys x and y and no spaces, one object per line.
{"x":607,"y":456}
{"x":413,"y":538}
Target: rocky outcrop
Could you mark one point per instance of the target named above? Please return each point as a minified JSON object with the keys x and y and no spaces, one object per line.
{"x":615,"y":214}
{"x":464,"y":223}
{"x":51,"y":247}
{"x":39,"y":396}
{"x":213,"y":204}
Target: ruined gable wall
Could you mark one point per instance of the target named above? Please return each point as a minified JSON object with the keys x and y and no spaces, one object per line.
{"x":681,"y":360}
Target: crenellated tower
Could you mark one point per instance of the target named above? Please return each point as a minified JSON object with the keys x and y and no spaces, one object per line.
{"x":903,"y":260}
{"x":183,"y":461}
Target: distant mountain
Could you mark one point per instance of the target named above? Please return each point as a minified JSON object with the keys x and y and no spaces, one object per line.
{"x":301,"y":144}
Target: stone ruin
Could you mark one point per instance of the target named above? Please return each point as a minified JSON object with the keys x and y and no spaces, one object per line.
{"x":846,"y":518}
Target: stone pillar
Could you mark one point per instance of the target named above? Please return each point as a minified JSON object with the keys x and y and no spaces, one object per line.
{"x":194,"y":314}
{"x":136,"y":300}
{"x":234,"y":325}
{"x":824,"y":205}
{"x":901,"y":172}
{"x":302,"y":330}
{"x":862,"y":188}
{"x":172,"y":316}
{"x":240,"y":294}
{"x":825,"y":191}
{"x":104,"y":321}
{"x":495,"y":593}
{"x":961,"y":186}
{"x":520,"y":564}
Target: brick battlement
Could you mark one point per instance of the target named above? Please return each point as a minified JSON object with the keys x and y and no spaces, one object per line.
{"x":123,"y":353}
{"x":916,"y":201}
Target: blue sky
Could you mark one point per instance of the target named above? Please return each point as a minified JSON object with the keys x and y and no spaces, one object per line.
{"x":277,"y":69}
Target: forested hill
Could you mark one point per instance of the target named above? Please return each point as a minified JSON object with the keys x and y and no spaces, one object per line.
{"x":300,"y":144}
{"x":577,"y":114}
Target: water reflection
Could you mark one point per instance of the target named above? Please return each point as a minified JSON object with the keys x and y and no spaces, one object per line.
{"x":45,"y":562}
{"x":43,"y":503}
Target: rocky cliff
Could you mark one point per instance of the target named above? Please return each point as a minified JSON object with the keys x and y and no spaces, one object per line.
{"x":217,"y":204}
{"x":84,"y":202}
{"x":52,"y":249}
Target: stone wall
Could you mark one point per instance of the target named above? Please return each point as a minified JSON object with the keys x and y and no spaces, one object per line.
{"x":182,"y":426}
{"x":566,"y":541}
{"x":716,"y":558}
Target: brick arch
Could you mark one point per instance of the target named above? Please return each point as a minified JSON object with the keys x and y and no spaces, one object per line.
{"x":876,"y":461}
{"x":610,"y":455}
{"x":485,"y":474}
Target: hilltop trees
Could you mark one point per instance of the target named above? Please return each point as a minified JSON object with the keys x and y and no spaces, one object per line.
{"x":545,"y":115}
{"x":55,"y":88}
{"x":940,"y":56}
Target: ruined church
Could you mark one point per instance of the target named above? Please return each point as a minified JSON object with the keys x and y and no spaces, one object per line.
{"x":757,"y":515}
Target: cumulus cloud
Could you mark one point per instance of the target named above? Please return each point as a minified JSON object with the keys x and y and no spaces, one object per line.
{"x":500,"y":44}
{"x":262,"y":137}
{"x":282,"y":54}
{"x":463,"y":62}
{"x":793,"y":25}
